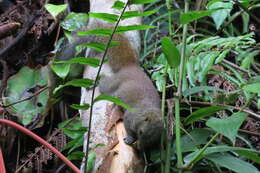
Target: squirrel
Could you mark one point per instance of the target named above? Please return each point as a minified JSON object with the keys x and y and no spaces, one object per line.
{"x":130,"y":84}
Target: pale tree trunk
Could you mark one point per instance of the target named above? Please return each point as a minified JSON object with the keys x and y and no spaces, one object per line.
{"x":107,"y":127}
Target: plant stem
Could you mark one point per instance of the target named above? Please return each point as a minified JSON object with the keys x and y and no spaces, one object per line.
{"x":164,"y":136}
{"x":95,"y":84}
{"x":201,"y":151}
{"x":179,"y":93}
{"x":178,"y":133}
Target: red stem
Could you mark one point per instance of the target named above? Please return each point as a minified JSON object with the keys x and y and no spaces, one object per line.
{"x":42,"y":141}
{"x":2,"y":163}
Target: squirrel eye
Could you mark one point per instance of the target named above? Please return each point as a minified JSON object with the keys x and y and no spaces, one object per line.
{"x":140,"y":132}
{"x":146,"y":119}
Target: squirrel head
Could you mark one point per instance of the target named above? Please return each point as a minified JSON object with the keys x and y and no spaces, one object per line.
{"x":150,"y":130}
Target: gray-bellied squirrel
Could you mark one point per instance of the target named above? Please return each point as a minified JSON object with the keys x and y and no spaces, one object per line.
{"x":128,"y":83}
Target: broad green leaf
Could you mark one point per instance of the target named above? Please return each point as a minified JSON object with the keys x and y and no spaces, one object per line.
{"x":195,"y":139}
{"x":77,"y":155}
{"x":118,"y":5}
{"x":25,"y":84}
{"x":141,"y":1}
{"x":91,"y":162}
{"x":170,"y":51}
{"x":248,"y":153}
{"x":114,"y":100}
{"x":203,"y":112}
{"x":198,"y":89}
{"x":232,"y":163}
{"x":98,"y":32}
{"x":122,"y":29}
{"x":74,"y":133}
{"x":100,"y":47}
{"x":74,"y":21}
{"x":194,"y":15}
{"x":105,"y":16}
{"x":54,"y":10}
{"x":80,"y":107}
{"x":76,"y":83}
{"x":227,"y":126}
{"x":130,"y":14}
{"x":94,"y":62}
{"x":253,"y":88}
{"x":61,"y":70}
{"x":219,"y":16}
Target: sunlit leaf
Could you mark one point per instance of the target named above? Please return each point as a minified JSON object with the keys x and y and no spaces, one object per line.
{"x":118,"y":5}
{"x":54,"y":10}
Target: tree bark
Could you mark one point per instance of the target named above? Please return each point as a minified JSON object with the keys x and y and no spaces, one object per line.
{"x":107,"y":127}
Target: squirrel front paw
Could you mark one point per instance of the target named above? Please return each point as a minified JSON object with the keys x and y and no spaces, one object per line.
{"x":129,"y":140}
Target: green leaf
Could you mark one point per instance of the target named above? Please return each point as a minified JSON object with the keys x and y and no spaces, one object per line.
{"x":194,"y":139}
{"x":77,"y":155}
{"x":248,"y":153}
{"x":74,"y":144}
{"x":80,"y":107}
{"x":76,"y":83}
{"x":141,"y":1}
{"x":219,"y":16}
{"x":253,"y":88}
{"x":25,"y":84}
{"x":74,"y":133}
{"x":100,"y":47}
{"x":232,"y":163}
{"x":114,"y":100}
{"x":54,"y":10}
{"x":170,"y":51}
{"x":122,"y":29}
{"x":130,"y":14}
{"x":97,"y":32}
{"x":94,"y":62}
{"x":91,"y":162}
{"x":203,"y":112}
{"x":194,"y":15}
{"x":198,"y":89}
{"x":61,"y":70}
{"x":74,"y":21}
{"x":227,"y":126}
{"x":118,"y":5}
{"x":105,"y":16}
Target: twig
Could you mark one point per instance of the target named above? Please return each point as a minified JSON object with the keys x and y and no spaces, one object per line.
{"x":234,"y":65}
{"x":28,"y":98}
{"x":250,"y":133}
{"x":20,"y":35}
